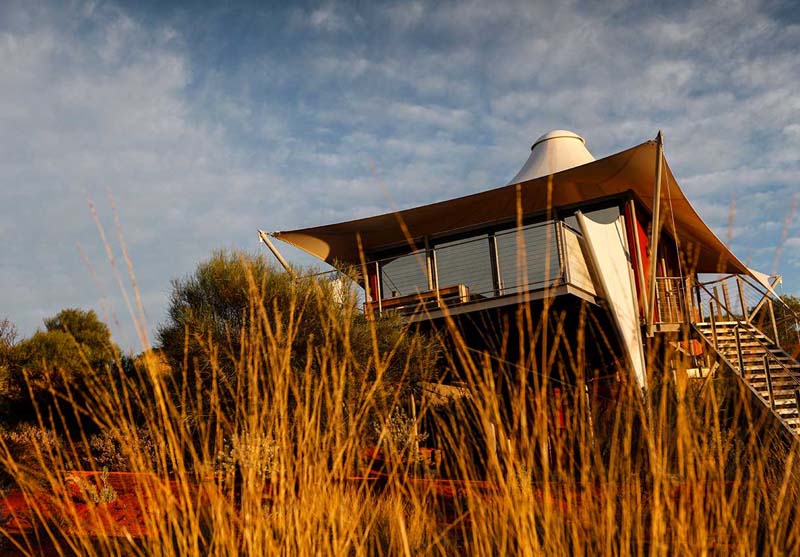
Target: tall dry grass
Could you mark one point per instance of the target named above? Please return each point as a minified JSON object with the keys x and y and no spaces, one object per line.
{"x":692,"y":469}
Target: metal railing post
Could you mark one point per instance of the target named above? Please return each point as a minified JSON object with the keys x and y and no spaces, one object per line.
{"x":562,"y":253}
{"x":497,"y":280}
{"x":716,"y":296}
{"x":745,"y":316}
{"x":797,"y":401}
{"x":687,"y":296}
{"x":429,"y":265}
{"x":435,"y":272}
{"x":739,"y":350}
{"x":713,"y":324}
{"x":378,"y":287}
{"x":774,"y":324}
{"x":727,"y":299}
{"x":769,"y":381}
{"x":699,"y":302}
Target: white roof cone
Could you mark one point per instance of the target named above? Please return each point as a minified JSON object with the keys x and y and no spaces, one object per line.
{"x":553,"y":152}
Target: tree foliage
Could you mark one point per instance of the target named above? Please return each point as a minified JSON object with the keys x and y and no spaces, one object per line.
{"x":788,"y":325}
{"x":72,"y":348}
{"x":74,"y":341}
{"x":215,"y":310}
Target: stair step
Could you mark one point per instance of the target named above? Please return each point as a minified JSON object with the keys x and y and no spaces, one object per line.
{"x":788,"y":398}
{"x":777,"y":382}
{"x":782,"y":385}
{"x":776,"y":371}
{"x":752,"y":355}
{"x":777,"y":386}
{"x":752,"y":372}
{"x":732,"y":342}
{"x":773,"y":367}
{"x":759,"y":364}
{"x":755,"y":347}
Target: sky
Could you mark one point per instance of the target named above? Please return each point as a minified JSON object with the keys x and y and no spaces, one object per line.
{"x":180,"y":128}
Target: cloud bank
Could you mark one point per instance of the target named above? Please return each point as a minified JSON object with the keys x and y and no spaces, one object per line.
{"x":206,"y":123}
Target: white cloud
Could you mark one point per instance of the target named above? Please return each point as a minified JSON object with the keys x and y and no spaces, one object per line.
{"x":350,"y":109}
{"x":100,"y":113}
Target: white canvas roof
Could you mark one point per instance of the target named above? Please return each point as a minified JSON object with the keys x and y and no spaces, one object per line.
{"x":553,"y":152}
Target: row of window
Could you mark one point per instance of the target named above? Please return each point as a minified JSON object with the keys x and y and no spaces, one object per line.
{"x":525,"y":258}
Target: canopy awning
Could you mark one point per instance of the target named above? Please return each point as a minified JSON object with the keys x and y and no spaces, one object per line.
{"x":629,"y":170}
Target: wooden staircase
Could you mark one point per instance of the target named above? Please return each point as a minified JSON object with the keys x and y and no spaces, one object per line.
{"x":770,"y":372}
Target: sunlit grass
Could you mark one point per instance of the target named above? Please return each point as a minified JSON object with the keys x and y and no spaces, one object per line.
{"x":692,"y":469}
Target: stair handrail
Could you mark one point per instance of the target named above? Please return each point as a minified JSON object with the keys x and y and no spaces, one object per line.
{"x":769,"y":355}
{"x":741,"y":372}
{"x":767,"y":293}
{"x":758,"y":287}
{"x":719,"y":354}
{"x":772,"y":355}
{"x":770,"y":297}
{"x":720,"y":279}
{"x":715,"y":298}
{"x":749,"y":317}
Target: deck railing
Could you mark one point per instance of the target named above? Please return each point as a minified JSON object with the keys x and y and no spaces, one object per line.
{"x":738,"y":298}
{"x":492,"y":265}
{"x":670,"y":301}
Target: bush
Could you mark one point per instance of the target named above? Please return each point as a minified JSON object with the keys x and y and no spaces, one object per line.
{"x":74,"y":348}
{"x":234,"y":294}
{"x":35,"y":450}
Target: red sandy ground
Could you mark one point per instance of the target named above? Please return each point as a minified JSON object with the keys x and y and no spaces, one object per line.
{"x":122,"y":517}
{"x":125,"y":516}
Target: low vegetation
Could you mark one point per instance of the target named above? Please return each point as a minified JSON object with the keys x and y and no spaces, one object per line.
{"x":257,"y":419}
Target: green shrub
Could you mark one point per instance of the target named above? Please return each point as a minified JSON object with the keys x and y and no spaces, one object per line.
{"x":236,"y":294}
{"x":74,"y":348}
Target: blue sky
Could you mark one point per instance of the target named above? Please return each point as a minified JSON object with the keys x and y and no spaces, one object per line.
{"x":200,"y":124}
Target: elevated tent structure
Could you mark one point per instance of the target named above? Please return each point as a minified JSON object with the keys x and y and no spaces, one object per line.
{"x":616,"y":234}
{"x":632,"y":170}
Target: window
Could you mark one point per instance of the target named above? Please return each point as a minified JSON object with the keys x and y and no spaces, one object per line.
{"x":466,"y":262}
{"x":528,"y":257}
{"x":404,"y":275}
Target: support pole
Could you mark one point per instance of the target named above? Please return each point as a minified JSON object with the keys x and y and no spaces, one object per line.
{"x":699,"y":303}
{"x":713,"y":324}
{"x":726,"y":297}
{"x":774,"y":324}
{"x":742,"y":302}
{"x":378,"y":287}
{"x":764,"y":299}
{"x":654,"y":233}
{"x":429,"y":265}
{"x":497,"y":279}
{"x":689,"y":297}
{"x":265,"y":238}
{"x":639,"y":265}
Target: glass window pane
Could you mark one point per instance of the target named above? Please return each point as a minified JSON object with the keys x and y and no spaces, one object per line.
{"x":466,"y":262}
{"x":528,"y":258}
{"x":405,"y":275}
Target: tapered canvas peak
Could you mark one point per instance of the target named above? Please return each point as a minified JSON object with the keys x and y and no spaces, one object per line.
{"x":553,"y":152}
